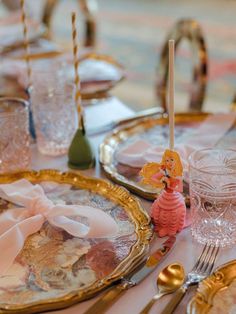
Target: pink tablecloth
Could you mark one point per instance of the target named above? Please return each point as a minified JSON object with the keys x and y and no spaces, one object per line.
{"x":185,"y":251}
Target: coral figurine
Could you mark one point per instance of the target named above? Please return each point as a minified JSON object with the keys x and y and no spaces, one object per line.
{"x":168,"y":211}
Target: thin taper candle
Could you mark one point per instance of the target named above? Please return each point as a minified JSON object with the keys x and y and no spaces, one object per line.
{"x":26,"y":43}
{"x":76,"y":67}
{"x":171,"y":107}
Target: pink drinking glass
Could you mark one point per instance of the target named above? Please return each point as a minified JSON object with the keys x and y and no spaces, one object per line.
{"x":213,"y":196}
{"x":14,"y":135}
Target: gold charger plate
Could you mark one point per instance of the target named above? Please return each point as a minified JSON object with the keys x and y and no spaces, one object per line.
{"x":55,"y":270}
{"x":217,"y":293}
{"x":42,"y":48}
{"x":154,"y":130}
{"x":100,"y":88}
{"x":91,"y":89}
{"x":39,"y":31}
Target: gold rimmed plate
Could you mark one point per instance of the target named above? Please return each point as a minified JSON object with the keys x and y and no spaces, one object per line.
{"x":217,"y":293}
{"x":99,"y":87}
{"x":153,"y":130}
{"x":100,"y":73}
{"x":15,"y":39}
{"x":55,"y":270}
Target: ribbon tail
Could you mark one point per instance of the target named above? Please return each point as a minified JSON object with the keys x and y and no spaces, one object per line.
{"x":71,"y":226}
{"x":99,"y":224}
{"x":10,"y":218}
{"x":12,"y":241}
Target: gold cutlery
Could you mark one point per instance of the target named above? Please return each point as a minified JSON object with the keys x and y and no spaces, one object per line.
{"x":201,"y":270}
{"x":168,"y":281}
{"x":133,"y":279}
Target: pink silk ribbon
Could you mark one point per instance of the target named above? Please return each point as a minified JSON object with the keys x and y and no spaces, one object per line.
{"x":18,"y":223}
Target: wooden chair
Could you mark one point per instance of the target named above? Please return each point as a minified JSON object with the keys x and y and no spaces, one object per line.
{"x":190,"y":30}
{"x":87,"y":7}
{"x":233,"y":104}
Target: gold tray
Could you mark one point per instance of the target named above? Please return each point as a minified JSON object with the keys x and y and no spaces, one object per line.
{"x":55,"y":270}
{"x":213,"y":289}
{"x":143,"y":129}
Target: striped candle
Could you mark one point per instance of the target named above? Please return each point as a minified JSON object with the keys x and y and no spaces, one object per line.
{"x":76,"y":67}
{"x":26,"y":43}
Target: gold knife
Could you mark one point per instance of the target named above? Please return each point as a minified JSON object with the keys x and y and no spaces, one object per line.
{"x":135,"y":278}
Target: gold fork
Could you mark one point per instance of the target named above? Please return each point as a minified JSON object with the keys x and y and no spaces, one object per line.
{"x":201,"y":270}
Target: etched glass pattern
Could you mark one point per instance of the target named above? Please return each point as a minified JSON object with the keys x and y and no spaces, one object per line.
{"x":14,"y":135}
{"x":213,"y":196}
{"x":55,"y":117}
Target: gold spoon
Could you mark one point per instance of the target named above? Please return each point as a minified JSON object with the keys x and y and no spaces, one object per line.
{"x":169,"y":280}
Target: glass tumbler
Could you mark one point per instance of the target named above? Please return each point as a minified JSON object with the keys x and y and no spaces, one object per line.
{"x":14,"y":135}
{"x":55,"y":115}
{"x":213,"y":196}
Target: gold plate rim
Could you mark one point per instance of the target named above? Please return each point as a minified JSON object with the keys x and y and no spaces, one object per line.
{"x":99,"y":93}
{"x":202,"y":301}
{"x":109,"y":59}
{"x":108,"y":146}
{"x":41,"y":32}
{"x":115,"y":193}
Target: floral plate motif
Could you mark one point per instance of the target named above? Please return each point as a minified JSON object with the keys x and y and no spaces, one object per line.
{"x":55,"y":269}
{"x":217,"y":293}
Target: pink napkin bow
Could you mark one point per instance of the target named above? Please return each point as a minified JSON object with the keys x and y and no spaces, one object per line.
{"x":18,"y":223}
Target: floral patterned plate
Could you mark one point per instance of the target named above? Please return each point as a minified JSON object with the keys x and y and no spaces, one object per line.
{"x":55,"y":269}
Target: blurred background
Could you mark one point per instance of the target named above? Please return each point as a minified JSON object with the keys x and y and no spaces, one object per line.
{"x":134,"y":31}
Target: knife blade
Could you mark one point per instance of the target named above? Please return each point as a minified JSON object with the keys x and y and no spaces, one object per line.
{"x":114,"y":124}
{"x":132,"y":280}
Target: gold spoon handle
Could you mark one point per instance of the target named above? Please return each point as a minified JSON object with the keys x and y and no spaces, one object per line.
{"x":148,"y":307}
{"x":178,"y":296}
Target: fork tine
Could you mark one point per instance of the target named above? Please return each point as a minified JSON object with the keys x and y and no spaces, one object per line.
{"x":212,"y":260}
{"x":204,"y":259}
{"x":201,"y":270}
{"x":207,"y":260}
{"x":200,"y":258}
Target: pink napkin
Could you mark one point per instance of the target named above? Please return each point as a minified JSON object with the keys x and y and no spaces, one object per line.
{"x":211,"y":130}
{"x":18,"y":223}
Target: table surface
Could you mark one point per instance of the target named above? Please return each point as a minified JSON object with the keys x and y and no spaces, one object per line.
{"x":186,"y":250}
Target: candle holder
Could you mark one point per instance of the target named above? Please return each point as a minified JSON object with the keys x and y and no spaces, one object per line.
{"x":80,"y":152}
